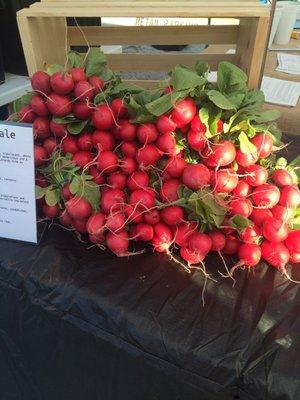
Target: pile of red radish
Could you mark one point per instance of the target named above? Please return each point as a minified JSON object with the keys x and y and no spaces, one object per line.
{"x":141,"y":172}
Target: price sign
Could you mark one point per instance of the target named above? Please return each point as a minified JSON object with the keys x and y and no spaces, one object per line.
{"x":17,"y":183}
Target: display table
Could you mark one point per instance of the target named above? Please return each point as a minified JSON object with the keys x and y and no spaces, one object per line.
{"x":79,"y":323}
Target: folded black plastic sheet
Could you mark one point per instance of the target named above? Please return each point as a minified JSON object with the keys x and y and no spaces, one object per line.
{"x":78,"y":323}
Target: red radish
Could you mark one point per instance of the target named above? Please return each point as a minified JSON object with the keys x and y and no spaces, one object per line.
{"x":147,"y":133}
{"x":266,"y":195}
{"x":51,"y":211}
{"x":292,"y":242}
{"x":190,"y":256}
{"x":40,"y":180}
{"x":295,"y":258}
{"x":26,"y":114}
{"x":97,"y":83}
{"x":175,"y":167}
{"x":84,"y":141}
{"x":218,"y":240}
{"x":249,"y":254}
{"x":61,"y":83}
{"x":184,"y":231}
{"x":167,"y":144}
{"x":142,"y":198}
{"x":256,"y":175}
{"x":65,"y":191}
{"x":290,"y":196}
{"x":77,"y":74}
{"x":143,"y":232}
{"x":129,"y":149}
{"x":152,"y":217}
{"x":172,"y":215}
{"x":168,"y":89}
{"x":65,"y":219}
{"x":96,"y":224}
{"x":219,"y":154}
{"x":195,"y":176}
{"x":78,"y":207}
{"x":276,"y":254}
{"x":117,"y":180}
{"x":183,"y":112}
{"x":220,"y":125}
{"x":274,"y":230}
{"x":82,"y":110}
{"x":97,"y":239}
{"x":50,"y":145}
{"x":41,"y":128}
{"x":241,"y":207}
{"x":264,"y":144}
{"x":98,"y":177}
{"x":242,"y":189}
{"x":246,"y":159}
{"x":127,"y":131}
{"x":83,"y":90}
{"x":251,"y":234}
{"x":103,"y":117}
{"x":148,"y":155}
{"x":169,"y":190}
{"x":138,"y":180}
{"x":128,"y":165}
{"x":59,"y":105}
{"x":282,"y":213}
{"x":40,"y":155}
{"x":39,"y":106}
{"x":282,"y":177}
{"x":165,"y":124}
{"x":232,"y":245}
{"x":197,"y":125}
{"x":224,"y":180}
{"x":82,"y":158}
{"x":197,"y":140}
{"x":79,"y":225}
{"x":112,"y":200}
{"x":133,"y":214}
{"x":119,"y":109}
{"x":260,"y":215}
{"x":116,"y":221}
{"x":117,"y":242}
{"x":200,"y":242}
{"x":163,"y":232}
{"x":107,"y":162}
{"x":103,"y":140}
{"x":40,"y":81}
{"x":159,"y":245}
{"x":58,"y":130}
{"x":69,"y":145}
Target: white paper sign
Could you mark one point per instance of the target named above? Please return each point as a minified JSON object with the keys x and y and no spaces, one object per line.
{"x":17,"y":183}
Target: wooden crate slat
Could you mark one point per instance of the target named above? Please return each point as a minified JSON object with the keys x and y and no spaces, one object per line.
{"x":146,"y":9}
{"x":251,"y":48}
{"x":168,"y":35}
{"x":162,"y":62}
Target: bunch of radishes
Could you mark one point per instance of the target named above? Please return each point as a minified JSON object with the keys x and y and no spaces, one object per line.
{"x":168,"y":182}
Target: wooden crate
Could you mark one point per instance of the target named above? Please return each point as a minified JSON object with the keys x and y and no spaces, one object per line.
{"x":46,"y":37}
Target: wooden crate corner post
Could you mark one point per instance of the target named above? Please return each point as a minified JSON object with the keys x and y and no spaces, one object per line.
{"x":251,"y":47}
{"x":43,"y":39}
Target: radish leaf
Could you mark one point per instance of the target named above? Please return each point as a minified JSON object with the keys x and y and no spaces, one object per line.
{"x":75,"y":59}
{"x":76,"y":127}
{"x":95,"y":62}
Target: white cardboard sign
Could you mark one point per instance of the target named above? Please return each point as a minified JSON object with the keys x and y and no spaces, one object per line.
{"x":17,"y":183}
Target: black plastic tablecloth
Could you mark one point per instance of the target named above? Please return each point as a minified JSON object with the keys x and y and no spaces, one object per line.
{"x":78,"y":323}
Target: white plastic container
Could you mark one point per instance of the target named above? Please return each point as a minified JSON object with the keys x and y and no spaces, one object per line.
{"x":287,"y":21}
{"x":275,"y":22}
